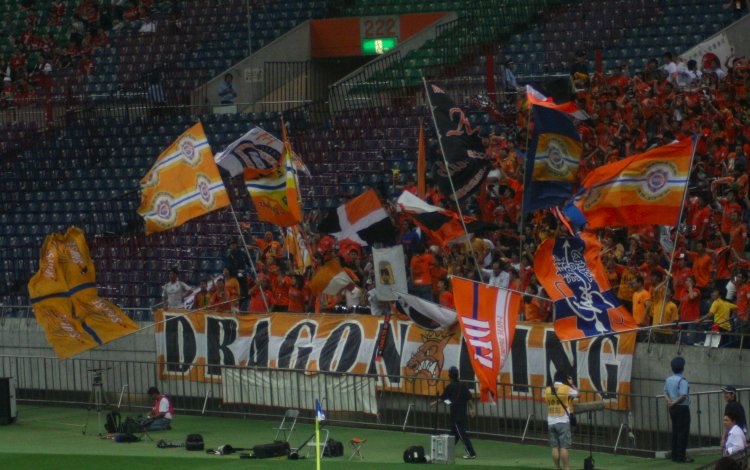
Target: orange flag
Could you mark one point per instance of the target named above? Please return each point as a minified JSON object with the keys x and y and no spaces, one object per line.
{"x":488,"y":317}
{"x":645,"y":189}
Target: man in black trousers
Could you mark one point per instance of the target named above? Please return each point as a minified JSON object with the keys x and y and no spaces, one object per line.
{"x":677,"y":395}
{"x":458,"y":397}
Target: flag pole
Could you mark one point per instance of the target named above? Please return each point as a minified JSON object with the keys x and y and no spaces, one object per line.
{"x":678,"y":324}
{"x":450,"y":180}
{"x":522,"y":223}
{"x":179,"y":315}
{"x":515,"y":291}
{"x":247,"y":252}
{"x":679,"y":219}
{"x":317,"y":435}
{"x":421,"y":163}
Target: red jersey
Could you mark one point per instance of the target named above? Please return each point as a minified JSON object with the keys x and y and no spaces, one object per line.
{"x":281,"y":291}
{"x":446,"y":300}
{"x":421,"y":268}
{"x":743,"y":300}
{"x":700,"y":221}
{"x":690,"y":309}
{"x":726,"y":210}
{"x":256,"y":301}
{"x":296,"y":300}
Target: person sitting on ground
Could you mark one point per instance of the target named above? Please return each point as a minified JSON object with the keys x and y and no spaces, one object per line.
{"x":160,"y":416}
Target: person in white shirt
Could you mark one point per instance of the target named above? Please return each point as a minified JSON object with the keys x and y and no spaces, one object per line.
{"x":670,"y":67}
{"x":735,"y":440}
{"x":354,"y":296}
{"x":497,"y":277}
{"x":148,"y":26}
{"x":692,"y":75}
{"x":173,"y":293}
{"x":716,"y":69}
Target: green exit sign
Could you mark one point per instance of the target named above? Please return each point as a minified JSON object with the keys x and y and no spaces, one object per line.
{"x":377,"y":45}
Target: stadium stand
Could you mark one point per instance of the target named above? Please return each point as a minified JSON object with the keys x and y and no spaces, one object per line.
{"x":93,"y":91}
{"x":87,"y":174}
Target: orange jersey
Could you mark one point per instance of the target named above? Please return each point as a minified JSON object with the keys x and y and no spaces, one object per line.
{"x":421,"y":269}
{"x":296,"y":300}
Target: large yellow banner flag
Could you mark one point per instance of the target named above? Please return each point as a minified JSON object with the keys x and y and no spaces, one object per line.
{"x":184,"y":183}
{"x":64,"y":298}
{"x":105,"y":319}
{"x":53,"y":308}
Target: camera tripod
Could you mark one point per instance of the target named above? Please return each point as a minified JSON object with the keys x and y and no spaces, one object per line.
{"x":97,"y":398}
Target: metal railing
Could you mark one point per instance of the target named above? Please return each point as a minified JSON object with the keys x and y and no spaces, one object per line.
{"x":519,"y":415}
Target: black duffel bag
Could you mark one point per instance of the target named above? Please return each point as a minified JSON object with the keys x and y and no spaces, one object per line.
{"x":194,"y":442}
{"x":274,"y":449}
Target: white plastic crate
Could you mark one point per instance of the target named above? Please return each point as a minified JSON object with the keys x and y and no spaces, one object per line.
{"x":443,"y":449}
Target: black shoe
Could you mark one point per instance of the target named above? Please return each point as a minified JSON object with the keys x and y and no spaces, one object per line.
{"x":687,"y":460}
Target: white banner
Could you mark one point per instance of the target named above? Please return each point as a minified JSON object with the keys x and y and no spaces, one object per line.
{"x":718,"y":44}
{"x":293,"y":389}
{"x":390,"y":272}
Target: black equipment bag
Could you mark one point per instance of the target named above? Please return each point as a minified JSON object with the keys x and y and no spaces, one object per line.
{"x":274,"y":449}
{"x":415,"y":454}
{"x":194,"y":442}
{"x":131,"y":426}
{"x":333,"y":448}
{"x":113,"y":422}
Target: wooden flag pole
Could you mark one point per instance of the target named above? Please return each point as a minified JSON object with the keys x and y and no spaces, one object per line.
{"x":450,"y":180}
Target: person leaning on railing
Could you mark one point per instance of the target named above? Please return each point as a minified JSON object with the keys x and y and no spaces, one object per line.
{"x":721,"y":312}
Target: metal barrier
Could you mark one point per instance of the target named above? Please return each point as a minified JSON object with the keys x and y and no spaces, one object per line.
{"x":519,"y":416}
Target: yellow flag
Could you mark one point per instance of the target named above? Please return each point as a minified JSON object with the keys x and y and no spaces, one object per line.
{"x":52,"y":306}
{"x":64,"y":298}
{"x":184,"y":183}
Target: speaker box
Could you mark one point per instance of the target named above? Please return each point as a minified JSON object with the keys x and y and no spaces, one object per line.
{"x":8,"y":410}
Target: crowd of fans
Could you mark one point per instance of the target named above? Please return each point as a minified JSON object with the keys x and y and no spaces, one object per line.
{"x":630,"y":113}
{"x":48,"y":36}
